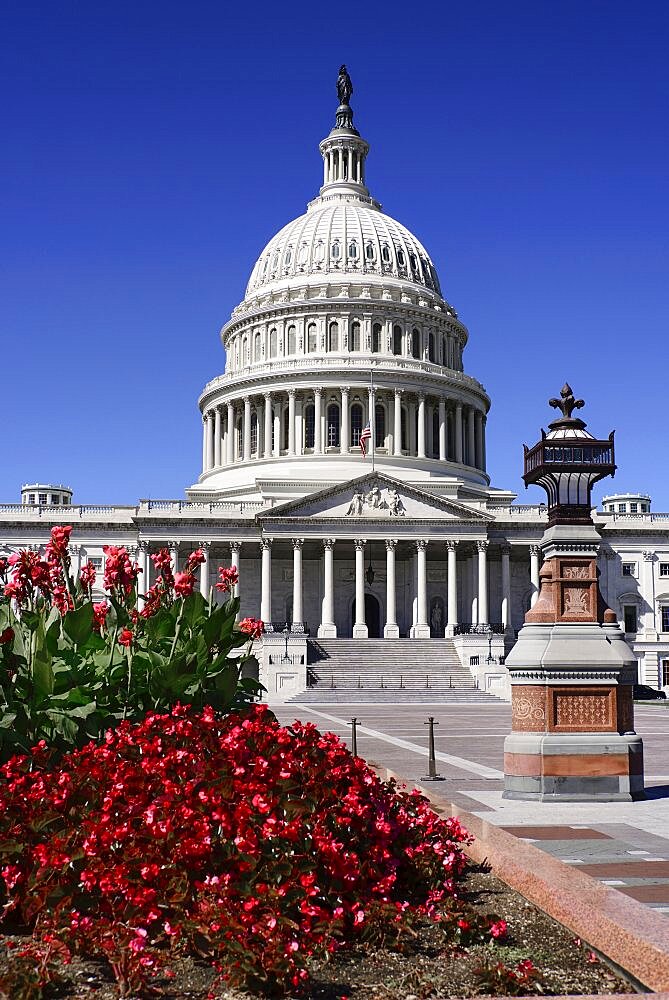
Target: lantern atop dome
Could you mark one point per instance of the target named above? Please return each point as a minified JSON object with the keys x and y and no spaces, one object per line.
{"x":567,"y":462}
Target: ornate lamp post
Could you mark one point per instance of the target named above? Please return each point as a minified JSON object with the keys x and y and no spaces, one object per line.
{"x":571,"y":670}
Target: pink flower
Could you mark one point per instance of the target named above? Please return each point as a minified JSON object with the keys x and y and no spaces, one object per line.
{"x":253,"y":627}
{"x":126,"y":637}
{"x":228,"y":578}
{"x":100,"y":612}
{"x":498,"y":929}
{"x":87,"y":577}
{"x":183,"y":584}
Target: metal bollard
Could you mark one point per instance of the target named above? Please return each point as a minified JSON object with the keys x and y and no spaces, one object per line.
{"x":427,"y":680}
{"x":382,"y":684}
{"x":354,"y":736}
{"x":332,"y":683}
{"x":401,"y":681}
{"x":431,"y":758}
{"x":450,"y":681}
{"x":359,"y":683}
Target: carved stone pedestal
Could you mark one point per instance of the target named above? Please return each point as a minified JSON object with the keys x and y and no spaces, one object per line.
{"x":571,"y":677}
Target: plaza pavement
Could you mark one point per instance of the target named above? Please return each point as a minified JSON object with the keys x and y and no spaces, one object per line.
{"x":624,"y":845}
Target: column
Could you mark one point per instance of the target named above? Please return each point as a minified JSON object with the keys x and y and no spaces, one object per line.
{"x":217,"y":437}
{"x":208,"y":427}
{"x":442,"y":429}
{"x":247,"y":429}
{"x":231,"y":435}
{"x":327,"y":628}
{"x":534,"y":573}
{"x":277,"y":431}
{"x":371,"y":414}
{"x":482,"y":546}
{"x":75,"y":550}
{"x":473,"y":591}
{"x":204,"y":442}
{"x":452,"y":610}
{"x":144,"y":581}
{"x":397,"y":432}
{"x":421,"y":629}
{"x":350,"y":164}
{"x":318,"y":440}
{"x":484,"y":461}
{"x":297,"y":580}
{"x":291,"y":421}
{"x":343,"y":430}
{"x":421,"y":425}
{"x":235,"y":550}
{"x":411,"y":414}
{"x":267,"y":435}
{"x":266,"y":580}
{"x":506,"y":586}
{"x":391,"y":629}
{"x":204,"y":570}
{"x":458,"y":433}
{"x":471,"y":443}
{"x":478,"y":434}
{"x":174,"y":554}
{"x":360,"y":628}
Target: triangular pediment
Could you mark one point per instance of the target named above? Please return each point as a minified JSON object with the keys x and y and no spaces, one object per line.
{"x":376,"y":497}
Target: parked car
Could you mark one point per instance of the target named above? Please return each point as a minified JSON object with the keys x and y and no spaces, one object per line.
{"x":643,"y":692}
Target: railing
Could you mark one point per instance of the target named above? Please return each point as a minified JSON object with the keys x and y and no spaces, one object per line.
{"x":518,"y":510}
{"x":469,"y":628}
{"x":645,"y":518}
{"x":292,"y":660}
{"x":200,"y":506}
{"x":292,"y":628}
{"x":69,"y":511}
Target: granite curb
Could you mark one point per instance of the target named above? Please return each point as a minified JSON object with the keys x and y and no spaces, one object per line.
{"x":629,"y":934}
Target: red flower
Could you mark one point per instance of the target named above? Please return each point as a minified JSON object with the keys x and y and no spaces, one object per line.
{"x":228,"y":578}
{"x":183,"y":584}
{"x":7,"y":635}
{"x":100,"y":612}
{"x":195,"y":559}
{"x":253,"y":627}
{"x":498,"y":929}
{"x":87,"y":577}
{"x":126,"y":637}
{"x":120,"y":572}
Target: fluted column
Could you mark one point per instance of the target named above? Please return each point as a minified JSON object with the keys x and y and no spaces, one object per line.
{"x":204,"y":569}
{"x":291,"y":421}
{"x":277,"y":431}
{"x":267,"y":435}
{"x":204,"y":442}
{"x":266,"y":580}
{"x":478,"y":418}
{"x":217,"y":437}
{"x":344,"y":429}
{"x":297,"y":580}
{"x":247,"y":429}
{"x":421,"y":629}
{"x":535,"y":553}
{"x":318,"y":407}
{"x":144,"y":581}
{"x":397,"y":432}
{"x":235,"y":551}
{"x":484,"y":461}
{"x":452,"y":610}
{"x":231,"y":435}
{"x":327,"y":628}
{"x":442,"y":429}
{"x":391,"y":629}
{"x":210,"y":440}
{"x":506,"y":586}
{"x":471,"y":443}
{"x":174,"y":555}
{"x":360,"y":628}
{"x":421,"y":425}
{"x":458,"y":433}
{"x":482,"y":546}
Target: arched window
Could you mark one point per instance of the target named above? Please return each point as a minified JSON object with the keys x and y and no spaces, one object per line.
{"x":333,"y":337}
{"x":355,"y":336}
{"x":303,"y":254}
{"x":289,"y":256}
{"x":335,"y":250}
{"x":369,"y":251}
{"x":430,"y":347}
{"x":376,"y":338}
{"x":292,"y":340}
{"x":400,"y":257}
{"x":353,"y":249}
{"x":397,"y":340}
{"x":333,"y":426}
{"x":238,"y":437}
{"x":435,"y":433}
{"x":257,"y":347}
{"x":319,"y":252}
{"x":254,"y":432}
{"x":309,"y":425}
{"x":415,"y":343}
{"x":405,"y":444}
{"x":312,"y":338}
{"x":356,"y":424}
{"x":246,"y":350}
{"x":272,"y":342}
{"x":385,"y":253}
{"x":379,"y":425}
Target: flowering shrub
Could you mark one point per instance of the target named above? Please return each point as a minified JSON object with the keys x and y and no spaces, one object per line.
{"x":497,"y":979}
{"x":69,"y":667}
{"x":231,"y":837}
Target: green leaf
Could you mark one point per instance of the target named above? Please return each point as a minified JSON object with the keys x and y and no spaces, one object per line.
{"x":78,"y":624}
{"x":7,"y":720}
{"x":42,"y":674}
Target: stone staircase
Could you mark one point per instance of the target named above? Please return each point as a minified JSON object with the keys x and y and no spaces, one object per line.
{"x":361,"y":671}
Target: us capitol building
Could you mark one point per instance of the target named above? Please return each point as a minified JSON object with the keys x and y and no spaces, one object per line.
{"x":344,"y":332}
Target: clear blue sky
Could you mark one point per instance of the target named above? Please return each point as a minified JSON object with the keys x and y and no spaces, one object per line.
{"x":151,"y":149}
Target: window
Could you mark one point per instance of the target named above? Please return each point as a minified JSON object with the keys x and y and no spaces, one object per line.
{"x":380,"y":426}
{"x":319,"y":252}
{"x":353,"y":250}
{"x":309,"y":425}
{"x":257,"y":348}
{"x":288,"y":257}
{"x":335,"y":251}
{"x":356,"y":424}
{"x":665,"y":617}
{"x":435,"y":432}
{"x":355,"y":336}
{"x":376,"y":338}
{"x":644,"y":508}
{"x":397,"y":340}
{"x":664,"y":569}
{"x":430,"y":349}
{"x":415,"y":344}
{"x":55,"y":499}
{"x":333,"y":426}
{"x":292,"y":340}
{"x":31,"y":498}
{"x":369,"y":251}
{"x":629,"y":614}
{"x":312,"y":338}
{"x":629,"y":569}
{"x":665,"y":673}
{"x":66,"y":500}
{"x":97,"y":563}
{"x":403,"y":420}
{"x":285,"y":428}
{"x":254,"y":432}
{"x":622,"y":508}
{"x":333,"y":337}
{"x":41,"y":498}
{"x":400,"y":257}
{"x":385,"y":253}
{"x":239,"y":438}
{"x":272,"y":342}
{"x":634,"y":508}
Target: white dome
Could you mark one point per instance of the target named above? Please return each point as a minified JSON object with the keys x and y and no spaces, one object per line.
{"x":343,"y":236}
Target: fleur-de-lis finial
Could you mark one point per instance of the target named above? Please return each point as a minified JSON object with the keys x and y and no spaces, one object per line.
{"x":567,"y":402}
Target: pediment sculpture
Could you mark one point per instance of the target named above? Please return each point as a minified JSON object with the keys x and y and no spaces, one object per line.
{"x":376,"y":501}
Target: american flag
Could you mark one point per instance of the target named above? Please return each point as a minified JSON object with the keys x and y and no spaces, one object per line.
{"x":365,"y":436}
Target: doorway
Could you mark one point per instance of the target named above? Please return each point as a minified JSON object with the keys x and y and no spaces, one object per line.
{"x":372,"y":617}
